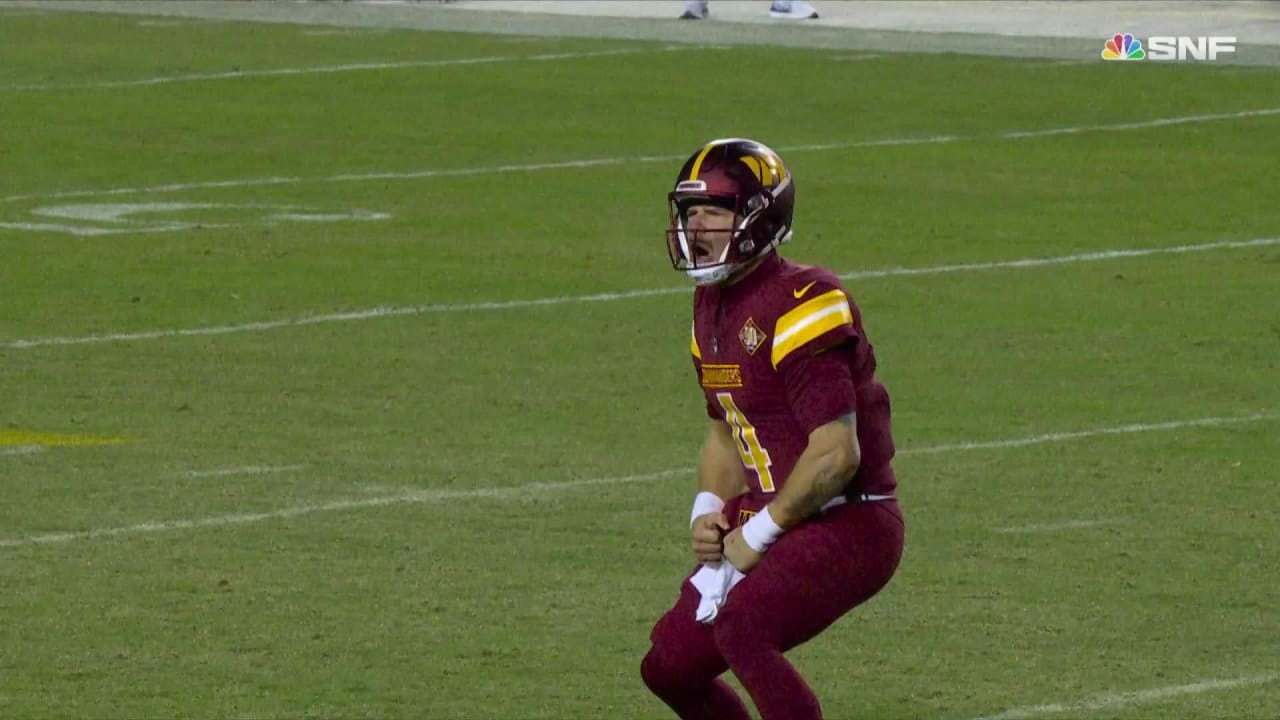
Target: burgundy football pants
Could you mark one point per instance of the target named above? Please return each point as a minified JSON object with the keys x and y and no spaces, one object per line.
{"x":812,"y":575}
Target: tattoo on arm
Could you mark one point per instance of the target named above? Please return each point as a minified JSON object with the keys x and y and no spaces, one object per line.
{"x":828,"y":482}
{"x":825,"y":486}
{"x":830,"y":476}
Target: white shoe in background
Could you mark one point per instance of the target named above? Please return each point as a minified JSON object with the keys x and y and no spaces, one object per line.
{"x":792,"y":10}
{"x":695,"y":10}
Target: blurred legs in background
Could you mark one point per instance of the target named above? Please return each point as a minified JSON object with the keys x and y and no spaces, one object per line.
{"x":780,"y":9}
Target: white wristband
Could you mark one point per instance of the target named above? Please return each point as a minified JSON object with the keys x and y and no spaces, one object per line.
{"x":760,"y":531}
{"x":705,"y":502}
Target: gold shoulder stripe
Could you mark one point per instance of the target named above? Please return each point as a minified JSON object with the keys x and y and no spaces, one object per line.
{"x":807,"y":321}
{"x":693,"y":344}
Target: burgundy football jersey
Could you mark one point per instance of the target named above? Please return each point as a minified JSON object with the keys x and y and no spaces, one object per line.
{"x":756,"y":351}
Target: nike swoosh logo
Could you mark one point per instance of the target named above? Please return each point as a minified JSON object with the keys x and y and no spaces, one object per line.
{"x":800,"y":293}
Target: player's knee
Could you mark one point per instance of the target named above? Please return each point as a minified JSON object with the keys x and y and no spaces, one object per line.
{"x":661,"y":676}
{"x":654,"y":672}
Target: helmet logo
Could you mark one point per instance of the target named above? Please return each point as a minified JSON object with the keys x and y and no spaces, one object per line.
{"x":767,"y":168}
{"x":691,"y":186}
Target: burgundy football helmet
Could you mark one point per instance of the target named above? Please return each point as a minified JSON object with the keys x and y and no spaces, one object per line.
{"x":742,"y":176}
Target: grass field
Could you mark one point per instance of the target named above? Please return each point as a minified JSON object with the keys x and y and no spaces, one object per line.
{"x":341,"y":394}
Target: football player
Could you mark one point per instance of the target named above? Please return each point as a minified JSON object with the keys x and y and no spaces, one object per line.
{"x":795,"y":511}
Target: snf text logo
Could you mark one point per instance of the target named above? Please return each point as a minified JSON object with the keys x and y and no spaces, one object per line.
{"x":1124,"y":46}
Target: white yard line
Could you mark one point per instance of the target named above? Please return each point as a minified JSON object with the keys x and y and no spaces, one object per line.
{"x":176,"y":23}
{"x":345,"y":31}
{"x":387,"y":312}
{"x":855,"y":58}
{"x":1124,"y":699}
{"x":1058,"y":63}
{"x":1118,"y":430}
{"x":517,"y":492}
{"x":611,"y":161}
{"x":1062,"y":525}
{"x":357,"y":177}
{"x":412,"y":496}
{"x":243,"y":470}
{"x":1061,"y":259}
{"x":21,"y":450}
{"x":327,"y":69}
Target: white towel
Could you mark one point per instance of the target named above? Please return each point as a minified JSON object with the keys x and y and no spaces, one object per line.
{"x":714,"y":581}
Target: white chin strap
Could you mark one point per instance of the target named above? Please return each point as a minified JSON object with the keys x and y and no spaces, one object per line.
{"x":717,"y":274}
{"x":711,"y":275}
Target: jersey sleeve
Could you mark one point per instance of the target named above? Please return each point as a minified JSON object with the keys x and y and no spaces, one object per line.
{"x":820,"y":387}
{"x":810,"y":326}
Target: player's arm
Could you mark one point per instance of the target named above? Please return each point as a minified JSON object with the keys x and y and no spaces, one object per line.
{"x":720,"y":477}
{"x":822,"y":472}
{"x":812,"y":350}
{"x":823,"y":398}
{"x":824,"y":469}
{"x":720,"y":468}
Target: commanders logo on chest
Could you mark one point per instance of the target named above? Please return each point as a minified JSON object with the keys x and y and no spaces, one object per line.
{"x":752,"y":336}
{"x":721,"y":376}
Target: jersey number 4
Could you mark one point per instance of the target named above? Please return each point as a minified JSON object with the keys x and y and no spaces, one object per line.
{"x":754,"y":456}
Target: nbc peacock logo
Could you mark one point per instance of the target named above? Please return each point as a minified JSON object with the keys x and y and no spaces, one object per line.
{"x":1123,"y":46}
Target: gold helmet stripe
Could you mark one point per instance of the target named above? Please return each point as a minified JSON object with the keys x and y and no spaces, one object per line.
{"x":697,"y":162}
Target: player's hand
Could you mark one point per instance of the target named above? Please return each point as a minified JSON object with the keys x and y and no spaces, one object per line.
{"x":707,"y":531}
{"x":739,"y":553}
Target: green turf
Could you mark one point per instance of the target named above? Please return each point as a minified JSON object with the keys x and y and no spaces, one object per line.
{"x":410,"y":568}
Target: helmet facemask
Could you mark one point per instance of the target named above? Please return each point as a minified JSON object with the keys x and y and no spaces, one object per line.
{"x":694,"y":251}
{"x":749,"y":184}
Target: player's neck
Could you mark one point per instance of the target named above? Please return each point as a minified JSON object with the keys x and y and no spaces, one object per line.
{"x":750,"y":269}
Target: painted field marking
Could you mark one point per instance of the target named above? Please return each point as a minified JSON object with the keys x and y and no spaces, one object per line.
{"x":29,"y":438}
{"x":1138,"y":697}
{"x":383,"y":489}
{"x":346,"y":31}
{"x":401,"y":311}
{"x":1059,"y":63}
{"x":428,"y":496}
{"x":1118,"y":430}
{"x":329,"y":69}
{"x":414,"y":496}
{"x":611,"y":161}
{"x":21,"y":450}
{"x":177,"y":23}
{"x":86,"y":231}
{"x":524,"y":39}
{"x":855,"y":58}
{"x":242,"y":470}
{"x":1061,"y":525}
{"x":130,"y":218}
